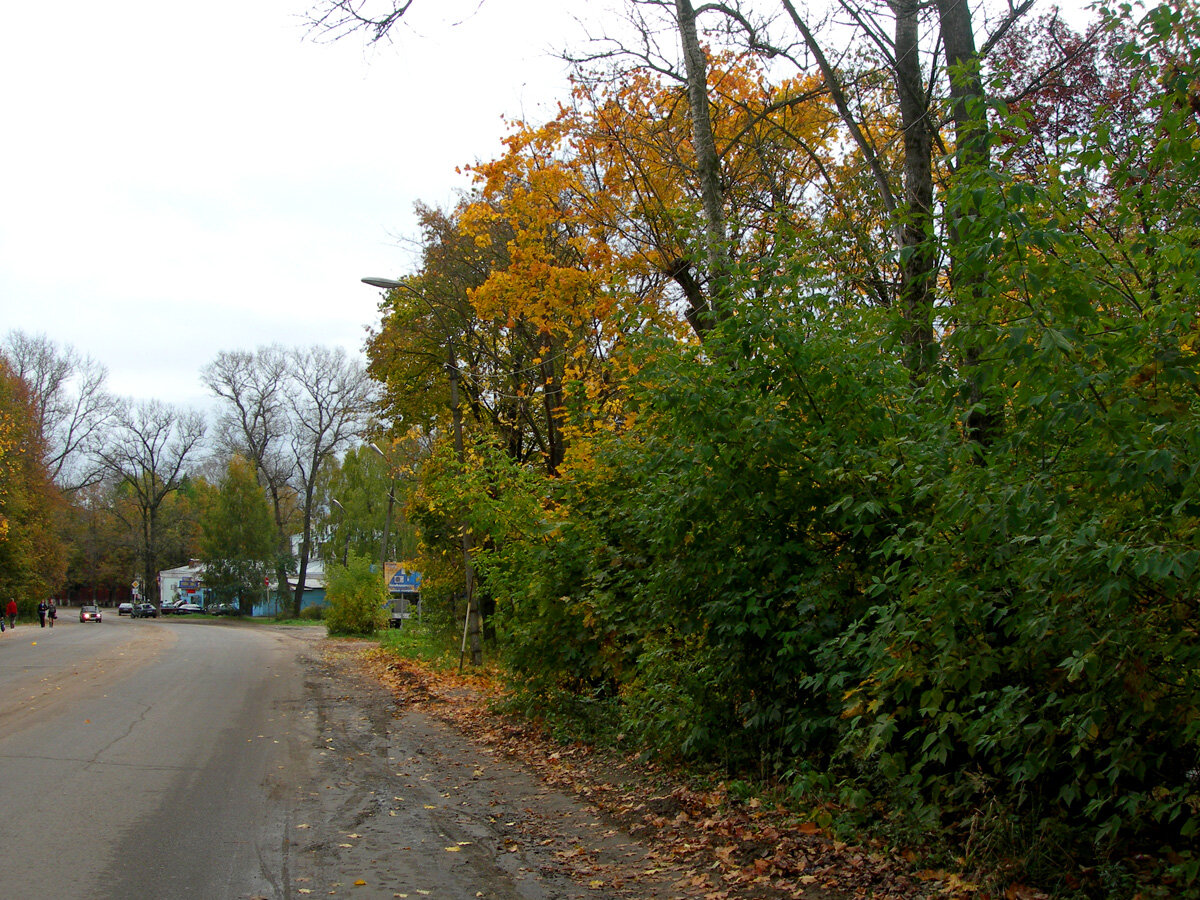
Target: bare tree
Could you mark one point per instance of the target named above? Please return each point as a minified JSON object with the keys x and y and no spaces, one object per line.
{"x":73,"y":409}
{"x":337,"y":18}
{"x":329,"y":398}
{"x":151,"y":446}
{"x":257,"y":424}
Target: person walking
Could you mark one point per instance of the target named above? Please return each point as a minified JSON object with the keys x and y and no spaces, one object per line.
{"x":42,"y":609}
{"x":12,"y":613}
{"x":52,"y":613}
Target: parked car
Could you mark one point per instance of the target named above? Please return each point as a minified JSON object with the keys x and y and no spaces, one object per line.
{"x":89,"y":614}
{"x":144,"y":611}
{"x":124,"y":609}
{"x":223,"y":609}
{"x":170,"y":607}
{"x":184,"y":609}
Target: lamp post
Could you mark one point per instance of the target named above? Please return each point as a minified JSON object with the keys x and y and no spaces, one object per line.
{"x":471,"y":624}
{"x":387,"y":522}
{"x":346,"y":522}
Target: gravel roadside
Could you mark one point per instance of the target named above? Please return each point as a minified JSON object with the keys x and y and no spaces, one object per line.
{"x":399,"y":803}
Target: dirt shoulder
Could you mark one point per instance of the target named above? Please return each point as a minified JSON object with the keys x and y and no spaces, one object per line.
{"x":398,"y":801}
{"x":621,"y":827}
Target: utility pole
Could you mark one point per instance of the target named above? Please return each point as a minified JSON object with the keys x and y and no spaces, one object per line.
{"x":471,"y":629}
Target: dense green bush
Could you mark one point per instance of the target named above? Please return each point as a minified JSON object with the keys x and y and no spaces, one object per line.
{"x":356,"y":599}
{"x":798,"y":563}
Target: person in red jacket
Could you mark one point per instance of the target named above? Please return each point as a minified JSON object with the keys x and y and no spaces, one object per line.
{"x":12,"y":614}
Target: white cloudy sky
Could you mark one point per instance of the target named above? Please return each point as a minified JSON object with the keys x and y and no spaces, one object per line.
{"x":184,"y":178}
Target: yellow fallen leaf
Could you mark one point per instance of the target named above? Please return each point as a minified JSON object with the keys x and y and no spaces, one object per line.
{"x":359,"y":882}
{"x":354,"y":835}
{"x":452,"y":849}
{"x":347,"y":846}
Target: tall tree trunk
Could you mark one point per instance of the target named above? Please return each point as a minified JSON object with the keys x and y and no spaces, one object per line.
{"x":972,"y":153}
{"x":703,"y":310}
{"x":918,"y":255}
{"x":305,"y":551}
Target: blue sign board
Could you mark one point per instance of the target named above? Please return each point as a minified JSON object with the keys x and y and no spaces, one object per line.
{"x":405,"y":582}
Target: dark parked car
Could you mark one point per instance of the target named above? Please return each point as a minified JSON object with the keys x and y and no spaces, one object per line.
{"x":144,"y":611}
{"x":124,"y":609}
{"x":170,"y":607}
{"x":223,"y":609}
{"x":89,"y":614}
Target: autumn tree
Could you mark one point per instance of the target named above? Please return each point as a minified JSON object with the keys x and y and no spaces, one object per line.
{"x":148,"y":454}
{"x":32,"y":554}
{"x":103,"y":552}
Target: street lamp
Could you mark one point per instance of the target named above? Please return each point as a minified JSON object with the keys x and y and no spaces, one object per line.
{"x":471,"y":624}
{"x":387,"y":522}
{"x":346,"y":522}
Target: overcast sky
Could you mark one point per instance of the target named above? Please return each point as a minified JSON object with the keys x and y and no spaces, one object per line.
{"x":185,"y":178}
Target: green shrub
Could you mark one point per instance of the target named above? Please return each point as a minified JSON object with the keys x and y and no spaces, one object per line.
{"x":313,"y":613}
{"x":356,"y":598}
{"x":678,"y":703}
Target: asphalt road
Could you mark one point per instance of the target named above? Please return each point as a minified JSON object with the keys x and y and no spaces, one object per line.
{"x":161,"y":759}
{"x":136,"y":757}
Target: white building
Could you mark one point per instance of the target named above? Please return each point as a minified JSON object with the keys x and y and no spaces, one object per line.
{"x":182,"y":583}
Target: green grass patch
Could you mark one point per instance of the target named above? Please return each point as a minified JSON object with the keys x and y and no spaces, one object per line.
{"x":418,"y":641}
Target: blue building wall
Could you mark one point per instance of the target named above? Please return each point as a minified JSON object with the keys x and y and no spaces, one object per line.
{"x":312,"y":597}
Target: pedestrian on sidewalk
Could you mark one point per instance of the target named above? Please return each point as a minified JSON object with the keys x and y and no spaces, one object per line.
{"x":12,"y":613}
{"x":42,"y":609}
{"x":52,"y":613}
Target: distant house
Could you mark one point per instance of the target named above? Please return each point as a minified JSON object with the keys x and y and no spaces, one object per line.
{"x":314,"y":593}
{"x":184,"y":583}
